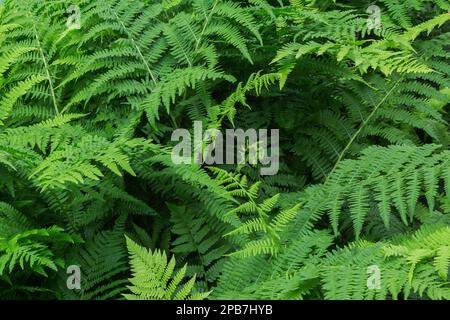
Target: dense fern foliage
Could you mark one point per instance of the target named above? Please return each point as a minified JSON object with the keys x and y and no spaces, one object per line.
{"x":88,"y":107}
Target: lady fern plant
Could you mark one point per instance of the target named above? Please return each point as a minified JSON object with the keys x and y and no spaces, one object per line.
{"x":87,"y":178}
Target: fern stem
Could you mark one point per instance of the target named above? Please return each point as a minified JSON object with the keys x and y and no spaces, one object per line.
{"x":363,"y":124}
{"x":208,"y":18}
{"x":136,"y":46}
{"x":47,"y":71}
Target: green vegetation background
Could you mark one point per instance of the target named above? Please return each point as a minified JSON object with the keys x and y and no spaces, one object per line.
{"x":86,"y":176}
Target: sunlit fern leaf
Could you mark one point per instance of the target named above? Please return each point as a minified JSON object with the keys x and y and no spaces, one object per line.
{"x":154,"y":277}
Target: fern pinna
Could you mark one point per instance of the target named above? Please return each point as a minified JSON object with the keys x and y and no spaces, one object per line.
{"x":91,"y":91}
